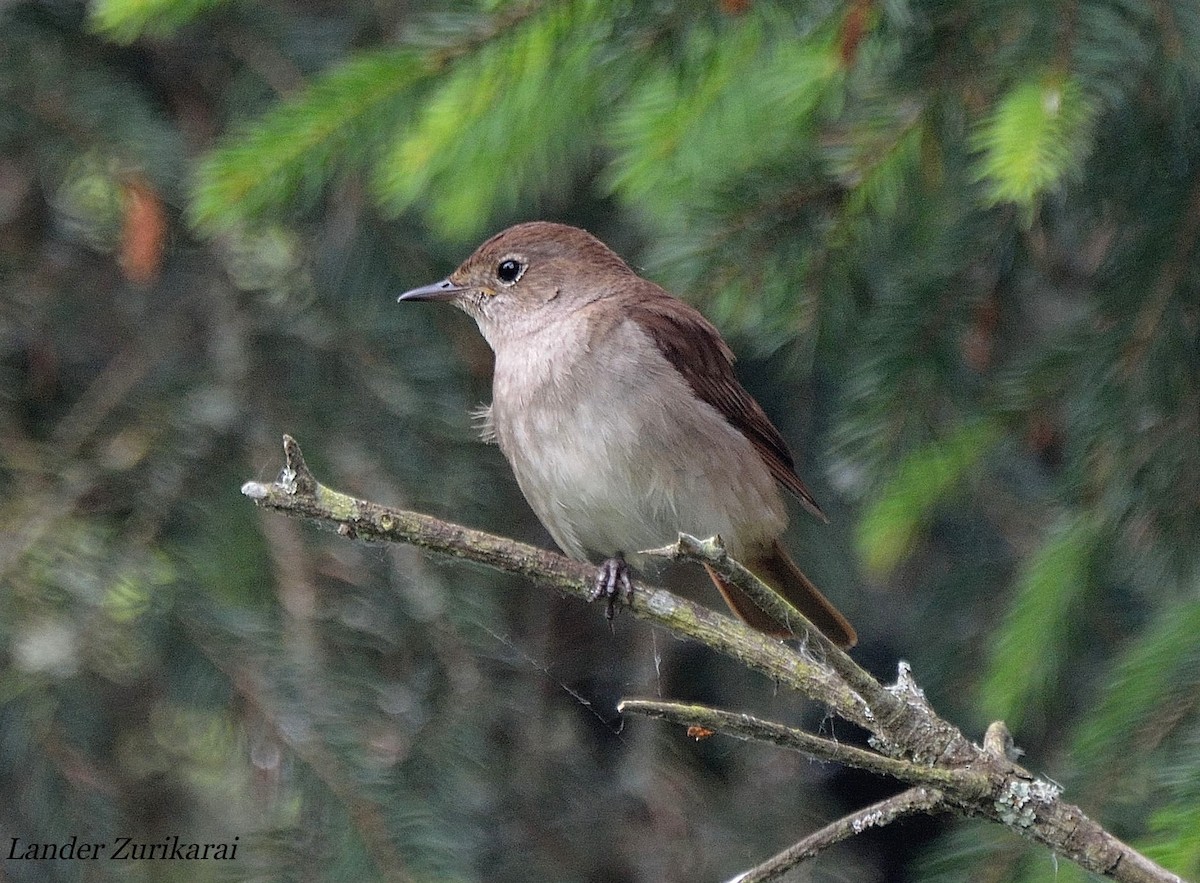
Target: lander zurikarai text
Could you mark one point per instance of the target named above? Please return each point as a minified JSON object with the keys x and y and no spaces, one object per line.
{"x":122,"y":849}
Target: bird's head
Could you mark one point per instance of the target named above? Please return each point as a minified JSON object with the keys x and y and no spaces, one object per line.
{"x":527,"y":276}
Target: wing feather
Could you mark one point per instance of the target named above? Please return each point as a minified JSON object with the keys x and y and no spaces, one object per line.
{"x":695,"y":348}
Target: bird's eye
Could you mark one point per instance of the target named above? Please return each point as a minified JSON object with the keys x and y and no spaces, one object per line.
{"x":509,"y":270}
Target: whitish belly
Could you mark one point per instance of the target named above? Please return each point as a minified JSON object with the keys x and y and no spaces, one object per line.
{"x":620,"y":479}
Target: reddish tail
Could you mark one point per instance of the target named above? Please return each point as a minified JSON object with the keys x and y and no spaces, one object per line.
{"x":778,"y":571}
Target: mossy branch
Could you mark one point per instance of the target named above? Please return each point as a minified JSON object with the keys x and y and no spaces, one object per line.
{"x":916,"y":745}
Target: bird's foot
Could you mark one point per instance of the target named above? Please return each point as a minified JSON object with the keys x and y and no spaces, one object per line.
{"x":612,"y":581}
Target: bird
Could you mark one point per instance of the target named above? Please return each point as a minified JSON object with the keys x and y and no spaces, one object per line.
{"x":617,"y":407}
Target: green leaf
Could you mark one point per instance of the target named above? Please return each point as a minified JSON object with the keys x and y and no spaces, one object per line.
{"x":1025,"y":658}
{"x":297,"y":146}
{"x":126,"y":20}
{"x":889,"y":528}
{"x":1038,"y":133}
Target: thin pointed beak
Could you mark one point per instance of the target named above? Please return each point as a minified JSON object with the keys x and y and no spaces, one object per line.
{"x":444,"y":290}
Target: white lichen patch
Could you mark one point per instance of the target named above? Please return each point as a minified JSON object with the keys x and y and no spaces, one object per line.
{"x":255,"y":490}
{"x":1017,"y":804}
{"x":906,"y":685}
{"x":660,"y":602}
{"x":287,"y":479}
{"x":870,"y":820}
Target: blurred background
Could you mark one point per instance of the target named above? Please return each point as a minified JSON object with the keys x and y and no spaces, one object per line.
{"x":954,"y":244}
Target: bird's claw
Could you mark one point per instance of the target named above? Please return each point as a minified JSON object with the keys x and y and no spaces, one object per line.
{"x":612,"y":582}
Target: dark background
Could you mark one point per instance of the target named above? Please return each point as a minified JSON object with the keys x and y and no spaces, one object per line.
{"x":954,"y":244}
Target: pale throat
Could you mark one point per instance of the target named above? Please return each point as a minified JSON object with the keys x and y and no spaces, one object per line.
{"x":535,"y":360}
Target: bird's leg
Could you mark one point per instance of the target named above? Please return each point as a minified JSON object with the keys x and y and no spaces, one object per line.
{"x":612,"y":580}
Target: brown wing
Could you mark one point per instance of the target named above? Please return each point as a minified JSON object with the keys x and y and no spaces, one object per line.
{"x":695,"y":348}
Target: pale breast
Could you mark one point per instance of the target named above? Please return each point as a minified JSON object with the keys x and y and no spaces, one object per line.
{"x":615,"y":453}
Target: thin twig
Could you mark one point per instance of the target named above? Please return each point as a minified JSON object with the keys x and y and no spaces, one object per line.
{"x":749,"y":727}
{"x":877,"y":815}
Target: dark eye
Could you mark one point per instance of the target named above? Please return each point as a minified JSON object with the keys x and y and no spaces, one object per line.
{"x":509,"y":270}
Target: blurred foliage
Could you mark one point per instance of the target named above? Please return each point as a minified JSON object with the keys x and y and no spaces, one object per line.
{"x":889,"y":528}
{"x":1038,"y":132}
{"x":956,"y":244}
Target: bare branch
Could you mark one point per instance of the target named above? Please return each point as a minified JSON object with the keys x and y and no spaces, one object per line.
{"x":978,"y":781}
{"x":749,"y":727}
{"x":901,"y":710}
{"x":297,"y":492}
{"x":877,"y":815}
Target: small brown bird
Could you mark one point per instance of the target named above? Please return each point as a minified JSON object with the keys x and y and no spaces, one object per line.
{"x":617,"y":406}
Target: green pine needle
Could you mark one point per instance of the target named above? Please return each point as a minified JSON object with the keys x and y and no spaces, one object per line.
{"x":503,"y":127}
{"x":127,"y":20}
{"x":1038,"y":133}
{"x":890,"y":528}
{"x":687,"y":131}
{"x":297,"y":146}
{"x":1025,"y":660}
{"x":1175,"y":841}
{"x":878,"y":173}
{"x":1161,"y":669}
